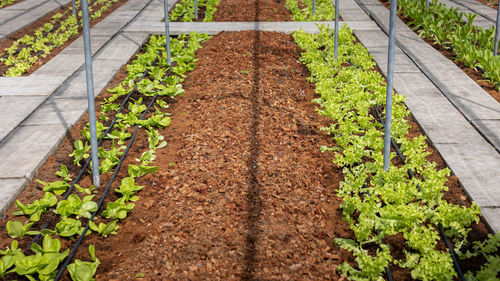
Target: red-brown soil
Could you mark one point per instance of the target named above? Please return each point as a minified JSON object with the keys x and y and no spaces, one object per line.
{"x":30,"y":30}
{"x":473,"y":74}
{"x":252,"y":10}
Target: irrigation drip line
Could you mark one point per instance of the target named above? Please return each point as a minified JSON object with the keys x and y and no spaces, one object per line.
{"x":101,"y":201}
{"x":117,"y":169}
{"x":389,"y":274}
{"x":101,"y":139}
{"x":440,"y":227}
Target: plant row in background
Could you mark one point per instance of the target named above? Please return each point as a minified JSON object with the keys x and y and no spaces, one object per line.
{"x":23,"y":54}
{"x":302,"y":10}
{"x":6,"y":2}
{"x":379,"y":204}
{"x":455,"y":31}
{"x":184,"y":10}
{"x":147,"y":78}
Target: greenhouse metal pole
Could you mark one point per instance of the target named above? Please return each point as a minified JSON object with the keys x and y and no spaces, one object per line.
{"x":73,"y":7}
{"x":336,"y":29}
{"x":388,"y":92}
{"x":167,"y":32}
{"x":314,"y":7}
{"x":195,"y":9}
{"x":427,"y":4}
{"x":497,"y":32}
{"x":90,"y":92}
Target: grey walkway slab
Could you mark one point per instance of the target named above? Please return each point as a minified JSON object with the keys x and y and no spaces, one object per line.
{"x":459,"y":118}
{"x":21,"y":157}
{"x":14,"y":110}
{"x":30,"y":85}
{"x":212,"y":28}
{"x":9,"y":189}
{"x":20,"y":15}
{"x":481,"y":181}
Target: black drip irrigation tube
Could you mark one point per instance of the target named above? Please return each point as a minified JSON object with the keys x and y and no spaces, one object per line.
{"x":101,"y":201}
{"x":87,"y":163}
{"x":458,"y":269}
{"x":113,"y":177}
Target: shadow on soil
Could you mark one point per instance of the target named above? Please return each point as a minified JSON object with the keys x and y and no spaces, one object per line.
{"x":253,"y":198}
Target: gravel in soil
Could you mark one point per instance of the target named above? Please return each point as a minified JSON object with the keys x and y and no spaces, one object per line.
{"x":252,"y":10}
{"x":30,"y":30}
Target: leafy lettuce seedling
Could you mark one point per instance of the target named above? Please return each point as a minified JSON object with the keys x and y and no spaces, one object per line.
{"x":57,"y":187}
{"x":105,"y":229}
{"x":64,"y":173}
{"x":35,"y":209}
{"x":45,"y":261}
{"x":80,"y":152}
{"x":118,"y":209}
{"x":128,"y":189}
{"x":16,"y":229}
{"x":88,"y":190}
{"x":75,"y":206}
{"x":141,"y":170}
{"x":83,"y":270}
{"x":9,"y":256}
{"x":67,"y":227}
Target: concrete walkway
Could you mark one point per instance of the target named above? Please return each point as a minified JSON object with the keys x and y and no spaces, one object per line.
{"x":40,"y":108}
{"x":212,"y":28}
{"x":20,"y":15}
{"x":461,"y":120}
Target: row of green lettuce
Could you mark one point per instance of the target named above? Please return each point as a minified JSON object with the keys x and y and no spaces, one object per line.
{"x":184,"y":10}
{"x":41,"y":262}
{"x":379,"y":204}
{"x":4,"y":3}
{"x":302,"y":10}
{"x":455,"y":31}
{"x":23,"y":54}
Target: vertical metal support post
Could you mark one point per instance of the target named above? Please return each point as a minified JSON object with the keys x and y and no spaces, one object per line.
{"x":497,"y":32}
{"x":427,"y":4}
{"x":314,"y":7}
{"x":336,"y":29}
{"x":388,"y":92}
{"x":73,"y":7}
{"x":195,"y":9}
{"x":90,"y":92}
{"x":167,"y":31}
